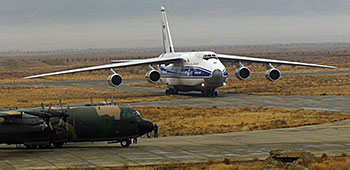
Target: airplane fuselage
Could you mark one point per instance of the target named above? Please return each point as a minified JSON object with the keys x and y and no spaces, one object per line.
{"x":199,"y":71}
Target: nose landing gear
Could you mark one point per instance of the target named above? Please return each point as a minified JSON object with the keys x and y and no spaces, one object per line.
{"x":209,"y":93}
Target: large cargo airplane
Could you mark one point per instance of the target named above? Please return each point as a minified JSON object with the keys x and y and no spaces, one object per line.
{"x":202,"y":71}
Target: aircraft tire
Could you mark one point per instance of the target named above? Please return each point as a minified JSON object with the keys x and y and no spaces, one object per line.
{"x":167,"y":92}
{"x":125,"y":143}
{"x":31,"y":146}
{"x":209,"y":93}
{"x":45,"y":146}
{"x":58,"y":144}
{"x":212,"y":93}
{"x":171,"y":92}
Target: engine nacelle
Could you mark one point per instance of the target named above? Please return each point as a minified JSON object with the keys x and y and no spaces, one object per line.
{"x":153,"y":76}
{"x":242,"y":73}
{"x":273,"y":74}
{"x":115,"y":80}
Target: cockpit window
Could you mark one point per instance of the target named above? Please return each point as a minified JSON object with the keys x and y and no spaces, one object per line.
{"x":131,"y":114}
{"x":138,"y":116}
{"x":210,"y":56}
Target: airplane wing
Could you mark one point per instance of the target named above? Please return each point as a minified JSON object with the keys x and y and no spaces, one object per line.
{"x":10,"y":113}
{"x":225,"y":57}
{"x":122,"y":61}
{"x":160,"y":60}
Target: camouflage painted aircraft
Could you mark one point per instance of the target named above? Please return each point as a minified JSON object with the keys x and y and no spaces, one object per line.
{"x":42,"y":127}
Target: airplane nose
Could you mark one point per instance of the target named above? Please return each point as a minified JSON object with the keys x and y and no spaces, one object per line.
{"x":145,"y":127}
{"x":216,"y":78}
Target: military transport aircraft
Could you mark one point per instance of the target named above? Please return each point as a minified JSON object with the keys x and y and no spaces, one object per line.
{"x":188,"y":71}
{"x":42,"y":127}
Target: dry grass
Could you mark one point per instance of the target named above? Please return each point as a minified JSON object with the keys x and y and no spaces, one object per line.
{"x":292,"y":85}
{"x":329,"y":163}
{"x":13,"y":70}
{"x":332,"y":163}
{"x":23,"y":96}
{"x":211,"y":120}
{"x":187,"y":166}
{"x":10,"y":75}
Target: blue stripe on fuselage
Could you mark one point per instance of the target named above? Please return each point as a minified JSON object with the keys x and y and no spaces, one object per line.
{"x":184,"y":72}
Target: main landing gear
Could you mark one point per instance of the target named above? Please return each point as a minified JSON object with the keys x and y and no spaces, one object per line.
{"x":209,"y":93}
{"x":171,"y":91}
{"x":125,"y":143}
{"x":41,"y":145}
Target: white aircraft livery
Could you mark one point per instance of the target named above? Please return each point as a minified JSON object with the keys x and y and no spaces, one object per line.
{"x":188,"y":71}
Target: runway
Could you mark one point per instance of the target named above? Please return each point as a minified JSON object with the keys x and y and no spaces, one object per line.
{"x":331,"y":138}
{"x":332,"y":103}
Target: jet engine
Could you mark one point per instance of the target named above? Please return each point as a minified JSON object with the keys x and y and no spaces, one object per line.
{"x":242,"y":73}
{"x":153,"y":76}
{"x":273,"y":74}
{"x":115,"y":80}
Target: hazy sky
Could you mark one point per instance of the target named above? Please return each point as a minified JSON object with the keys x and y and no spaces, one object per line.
{"x":57,"y":24}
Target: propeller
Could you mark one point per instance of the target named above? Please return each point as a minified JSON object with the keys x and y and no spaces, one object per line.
{"x":46,"y":115}
{"x":111,"y":102}
{"x":112,"y":98}
{"x":64,"y":115}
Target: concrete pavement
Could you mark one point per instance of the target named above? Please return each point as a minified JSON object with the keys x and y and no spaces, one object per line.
{"x":330,"y":138}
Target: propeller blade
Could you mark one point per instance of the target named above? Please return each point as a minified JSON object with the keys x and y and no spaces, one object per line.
{"x":50,"y":106}
{"x":106,"y":100}
{"x":60,"y":122}
{"x":67,"y":126}
{"x":50,"y":125}
{"x":42,"y":107}
{"x":61,"y":104}
{"x":112,"y":98}
{"x":44,"y":126}
{"x":91,"y":101}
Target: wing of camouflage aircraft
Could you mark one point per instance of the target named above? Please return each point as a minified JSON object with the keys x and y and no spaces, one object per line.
{"x":10,"y":113}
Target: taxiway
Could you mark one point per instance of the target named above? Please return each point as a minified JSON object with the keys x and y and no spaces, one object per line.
{"x":330,"y":138}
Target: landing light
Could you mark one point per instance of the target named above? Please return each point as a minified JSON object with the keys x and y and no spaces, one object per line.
{"x":224,"y":83}
{"x":203,"y":84}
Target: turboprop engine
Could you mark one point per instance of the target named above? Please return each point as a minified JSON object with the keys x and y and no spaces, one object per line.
{"x":242,"y":73}
{"x":272,"y":74}
{"x":115,"y":80}
{"x":153,"y":76}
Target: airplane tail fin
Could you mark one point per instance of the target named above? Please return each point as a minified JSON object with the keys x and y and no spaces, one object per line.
{"x":167,"y":40}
